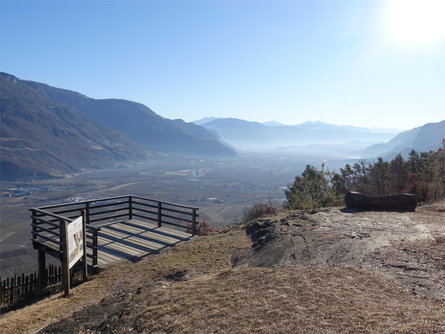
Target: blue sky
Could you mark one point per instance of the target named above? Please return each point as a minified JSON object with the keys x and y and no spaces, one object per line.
{"x":341,"y":62}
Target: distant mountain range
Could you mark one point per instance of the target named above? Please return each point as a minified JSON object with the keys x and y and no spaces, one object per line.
{"x":423,"y":138}
{"x":273,"y":123}
{"x":253,"y":135}
{"x":48,"y":132}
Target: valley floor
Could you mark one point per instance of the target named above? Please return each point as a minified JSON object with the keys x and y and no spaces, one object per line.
{"x":327,"y":271}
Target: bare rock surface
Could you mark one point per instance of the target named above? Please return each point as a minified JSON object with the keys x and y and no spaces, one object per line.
{"x":408,"y":247}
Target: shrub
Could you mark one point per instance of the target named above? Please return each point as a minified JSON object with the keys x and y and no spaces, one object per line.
{"x":202,"y":228}
{"x":260,"y":209}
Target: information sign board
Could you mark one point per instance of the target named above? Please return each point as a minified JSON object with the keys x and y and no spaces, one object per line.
{"x":75,"y":241}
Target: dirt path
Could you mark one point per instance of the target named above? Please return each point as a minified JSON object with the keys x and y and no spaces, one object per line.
{"x":406,"y":246}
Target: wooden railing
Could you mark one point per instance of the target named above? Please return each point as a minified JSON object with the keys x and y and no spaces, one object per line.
{"x":47,"y":220}
{"x":108,"y":209}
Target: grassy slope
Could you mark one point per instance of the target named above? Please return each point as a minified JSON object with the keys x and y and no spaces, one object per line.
{"x":193,"y":288}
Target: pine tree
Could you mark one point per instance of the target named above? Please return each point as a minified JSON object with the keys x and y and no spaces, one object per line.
{"x":398,"y":174}
{"x":311,"y":190}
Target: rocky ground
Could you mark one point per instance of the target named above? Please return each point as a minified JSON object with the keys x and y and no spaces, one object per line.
{"x":331,"y":270}
{"x":407,"y":246}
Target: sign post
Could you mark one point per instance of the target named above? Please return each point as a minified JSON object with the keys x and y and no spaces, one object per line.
{"x":84,"y":237}
{"x":65,"y":257}
{"x":73,"y":248}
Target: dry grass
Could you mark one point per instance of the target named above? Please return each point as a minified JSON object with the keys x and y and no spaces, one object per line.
{"x":198,"y":256}
{"x":285,"y":300}
{"x":192,"y":288}
{"x":35,"y":317}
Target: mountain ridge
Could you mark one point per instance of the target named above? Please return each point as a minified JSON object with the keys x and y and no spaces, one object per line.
{"x":49,"y":132}
{"x":247,"y":135}
{"x":42,"y":138}
{"x":422,"y":138}
{"x":143,"y":125}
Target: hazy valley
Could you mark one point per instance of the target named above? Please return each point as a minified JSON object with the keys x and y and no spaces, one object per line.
{"x":59,"y":146}
{"x":221,"y":188}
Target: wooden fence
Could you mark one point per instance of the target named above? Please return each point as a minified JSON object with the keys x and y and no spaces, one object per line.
{"x":23,"y":287}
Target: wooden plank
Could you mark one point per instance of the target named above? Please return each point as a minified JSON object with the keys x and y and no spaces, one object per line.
{"x":40,"y":228}
{"x":92,"y":207}
{"x":121,"y":248}
{"x":147,"y":234}
{"x":39,"y":236}
{"x":134,"y":246}
{"x":107,"y":218}
{"x":117,"y":252}
{"x":145,"y":217}
{"x":161,"y":231}
{"x":175,"y":233}
{"x":138,"y":235}
{"x":146,"y":211}
{"x":167,"y":203}
{"x":177,"y":211}
{"x":174,"y":224}
{"x":68,"y":210}
{"x":174,"y":217}
{"x":108,"y":256}
{"x":43,"y":221}
{"x":143,"y":245}
{"x":105,"y":256}
{"x":145,"y":205}
{"x":77,"y":203}
{"x":47,"y":213}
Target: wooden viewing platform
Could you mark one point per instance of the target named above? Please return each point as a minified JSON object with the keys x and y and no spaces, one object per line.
{"x":124,"y":227}
{"x":132,"y":240}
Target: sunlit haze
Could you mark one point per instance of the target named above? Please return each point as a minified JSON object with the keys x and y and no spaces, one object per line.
{"x":416,"y":21}
{"x":364,"y":63}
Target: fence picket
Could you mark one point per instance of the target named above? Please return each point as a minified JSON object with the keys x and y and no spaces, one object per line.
{"x":19,"y":287}
{"x":22,"y":288}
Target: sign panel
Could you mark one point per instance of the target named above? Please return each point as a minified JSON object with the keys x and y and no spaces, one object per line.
{"x":75,"y":241}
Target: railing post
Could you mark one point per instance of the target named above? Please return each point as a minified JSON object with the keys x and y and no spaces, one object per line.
{"x":130,"y":207}
{"x":34,"y":221}
{"x":194,"y":222}
{"x":159,"y":214}
{"x":87,"y":212}
{"x":95,"y":248}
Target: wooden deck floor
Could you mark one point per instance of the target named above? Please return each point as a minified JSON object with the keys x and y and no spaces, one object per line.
{"x":133,"y":240}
